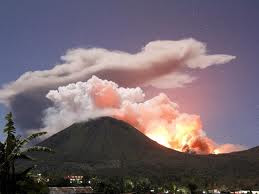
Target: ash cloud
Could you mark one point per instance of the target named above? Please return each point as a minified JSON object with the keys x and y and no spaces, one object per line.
{"x":158,"y":118}
{"x":157,"y":64}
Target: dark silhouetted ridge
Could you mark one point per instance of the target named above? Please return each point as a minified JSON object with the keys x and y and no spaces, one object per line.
{"x":104,"y":138}
{"x":109,"y":146}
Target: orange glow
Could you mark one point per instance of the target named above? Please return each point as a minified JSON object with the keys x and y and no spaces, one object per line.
{"x":160,"y":135}
{"x":216,"y":152}
{"x":158,"y":118}
{"x":105,"y":97}
{"x":184,"y":135}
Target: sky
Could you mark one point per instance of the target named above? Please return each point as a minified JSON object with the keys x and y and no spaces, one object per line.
{"x":33,"y":36}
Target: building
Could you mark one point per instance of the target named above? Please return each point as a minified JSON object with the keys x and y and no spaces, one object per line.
{"x":74,"y":179}
{"x":70,"y":190}
{"x":245,"y":192}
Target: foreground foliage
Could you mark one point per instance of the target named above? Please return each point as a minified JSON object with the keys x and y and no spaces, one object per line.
{"x":13,"y":149}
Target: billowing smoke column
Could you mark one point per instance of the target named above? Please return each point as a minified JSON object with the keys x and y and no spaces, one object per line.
{"x":158,"y":118}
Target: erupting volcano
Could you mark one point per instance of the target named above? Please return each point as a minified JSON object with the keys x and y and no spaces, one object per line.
{"x":158,"y":118}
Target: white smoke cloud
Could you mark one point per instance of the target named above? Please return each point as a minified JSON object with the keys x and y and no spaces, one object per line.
{"x":158,"y":59}
{"x":83,"y":100}
{"x":158,"y":118}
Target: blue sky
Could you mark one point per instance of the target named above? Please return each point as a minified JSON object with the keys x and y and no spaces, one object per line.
{"x":33,"y":36}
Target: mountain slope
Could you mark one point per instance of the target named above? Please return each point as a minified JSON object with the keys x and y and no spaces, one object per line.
{"x":109,"y":146}
{"x":103,"y":139}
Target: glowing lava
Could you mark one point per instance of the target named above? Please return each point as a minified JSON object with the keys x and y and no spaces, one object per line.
{"x":185,"y":134}
{"x":216,"y":151}
{"x":160,"y":135}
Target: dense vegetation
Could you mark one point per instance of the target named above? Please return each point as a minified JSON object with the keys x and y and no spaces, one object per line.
{"x":141,"y":184}
{"x":13,"y":149}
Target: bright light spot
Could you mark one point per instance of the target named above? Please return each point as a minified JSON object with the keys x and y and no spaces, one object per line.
{"x":160,"y":135}
{"x":216,"y":152}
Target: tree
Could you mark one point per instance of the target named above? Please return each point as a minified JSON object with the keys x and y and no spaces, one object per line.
{"x":11,"y":150}
{"x":192,"y":187}
{"x":32,"y":184}
{"x":128,"y":185}
{"x":104,"y":185}
{"x":172,"y":187}
{"x":142,"y":185}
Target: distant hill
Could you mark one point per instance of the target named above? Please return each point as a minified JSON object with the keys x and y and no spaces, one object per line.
{"x":113,"y":147}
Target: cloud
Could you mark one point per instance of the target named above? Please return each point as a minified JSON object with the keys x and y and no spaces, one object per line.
{"x":83,"y":100}
{"x":157,"y":58}
{"x":155,"y":64}
{"x":173,"y":80}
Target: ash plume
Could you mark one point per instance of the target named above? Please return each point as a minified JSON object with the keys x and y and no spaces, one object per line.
{"x":158,"y":118}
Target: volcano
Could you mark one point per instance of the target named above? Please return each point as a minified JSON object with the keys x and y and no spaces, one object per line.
{"x":112,"y":147}
{"x":104,"y":139}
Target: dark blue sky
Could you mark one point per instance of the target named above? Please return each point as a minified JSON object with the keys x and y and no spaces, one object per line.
{"x":33,"y":36}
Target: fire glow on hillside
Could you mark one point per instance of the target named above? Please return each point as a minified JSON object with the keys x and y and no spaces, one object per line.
{"x":158,"y":118}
